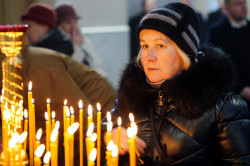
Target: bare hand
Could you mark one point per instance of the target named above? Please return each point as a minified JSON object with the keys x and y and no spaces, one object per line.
{"x":124,"y":147}
{"x":77,"y":37}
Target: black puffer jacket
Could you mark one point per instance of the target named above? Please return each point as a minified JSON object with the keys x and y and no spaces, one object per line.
{"x":195,"y":120}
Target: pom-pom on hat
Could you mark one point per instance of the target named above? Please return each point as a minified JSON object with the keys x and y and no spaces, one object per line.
{"x":177,"y":21}
{"x":42,"y":13}
{"x":65,"y":11}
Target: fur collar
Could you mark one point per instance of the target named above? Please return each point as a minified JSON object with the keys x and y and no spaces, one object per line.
{"x":193,"y":91}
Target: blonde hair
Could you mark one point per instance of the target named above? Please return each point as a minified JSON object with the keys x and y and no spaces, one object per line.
{"x":185,"y":58}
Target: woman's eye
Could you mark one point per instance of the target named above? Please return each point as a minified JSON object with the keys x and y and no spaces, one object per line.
{"x":160,"y":45}
{"x":144,"y":46}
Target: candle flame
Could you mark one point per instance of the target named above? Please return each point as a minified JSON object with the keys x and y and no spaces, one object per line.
{"x":119,"y":121}
{"x":13,"y":140}
{"x":92,"y":155}
{"x":48,"y":101}
{"x":7,"y":114}
{"x":131,"y":117}
{"x":65,"y":102}
{"x":53,"y":115}
{"x":1,"y":97}
{"x":38,"y":134}
{"x":20,"y":103}
{"x":90,"y":129}
{"x":80,"y":104}
{"x":98,"y":106}
{"x":67,"y":112}
{"x":57,"y":125}
{"x":89,"y":110}
{"x":130,"y":132}
{"x":72,"y":129}
{"x":71,"y":110}
{"x":25,"y":114}
{"x":32,"y":101}
{"x":22,"y":137}
{"x":114,"y":151}
{"x":46,"y":158}
{"x":46,"y":116}
{"x":93,"y":137}
{"x":110,"y":145}
{"x":108,"y":116}
{"x":30,"y":86}
{"x":109,"y":126}
{"x":134,"y":128}
{"x":54,"y":135}
{"x":39,"y":150}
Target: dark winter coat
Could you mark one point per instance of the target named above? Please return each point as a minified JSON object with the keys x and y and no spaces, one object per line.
{"x":58,"y":42}
{"x":195,"y":120}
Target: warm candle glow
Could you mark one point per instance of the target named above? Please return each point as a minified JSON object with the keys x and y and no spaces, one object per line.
{"x":90,"y":110}
{"x":119,"y":121}
{"x":13,"y":140}
{"x":110,"y":145}
{"x":38,"y":134}
{"x":80,"y":104}
{"x":22,"y":137}
{"x":134,"y":128}
{"x":46,"y":116}
{"x":53,"y":115}
{"x":67,"y":112}
{"x":72,"y":129}
{"x":57,"y":125}
{"x":90,"y":129}
{"x":108,"y":116}
{"x":46,"y":158}
{"x":32,"y":101}
{"x":48,"y":101}
{"x":114,"y":151}
{"x":130,"y":132}
{"x":131,"y":117}
{"x":53,"y":135}
{"x":30,"y":86}
{"x":92,"y":155}
{"x":25,"y":114}
{"x":109,"y":126}
{"x":71,"y":110}
{"x":93,"y":137}
{"x":65,"y":102}
{"x":39,"y":151}
{"x":98,"y":106}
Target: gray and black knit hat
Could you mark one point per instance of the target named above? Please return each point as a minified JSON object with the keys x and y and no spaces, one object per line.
{"x":177,"y":21}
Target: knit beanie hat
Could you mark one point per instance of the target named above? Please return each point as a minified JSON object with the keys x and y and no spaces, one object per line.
{"x":65,"y":11}
{"x":42,"y":13}
{"x":177,"y":21}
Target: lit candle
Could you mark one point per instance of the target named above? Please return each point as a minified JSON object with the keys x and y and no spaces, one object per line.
{"x":90,"y":116}
{"x":46,"y":159}
{"x":108,"y":133}
{"x":92,"y":141}
{"x":81,"y":131}
{"x":71,"y":130}
{"x":57,"y":125}
{"x":72,"y":117}
{"x":12,"y":143}
{"x":38,"y":137}
{"x":49,"y":115}
{"x":21,"y":139}
{"x":38,"y":154}
{"x":64,"y":116}
{"x":7,"y":116}
{"x":98,"y":134}
{"x":31,"y":132}
{"x":92,"y":157}
{"x":114,"y":155}
{"x":53,"y":115}
{"x":25,"y":128}
{"x":67,"y":118}
{"x":119,"y":121}
{"x":131,"y":147}
{"x":53,"y":147}
{"x":47,"y":131}
{"x":87,"y":139}
{"x":108,"y":153}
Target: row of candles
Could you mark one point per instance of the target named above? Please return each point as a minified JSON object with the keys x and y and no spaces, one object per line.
{"x":93,"y":150}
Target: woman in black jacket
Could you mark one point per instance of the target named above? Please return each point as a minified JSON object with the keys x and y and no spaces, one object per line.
{"x":180,"y":97}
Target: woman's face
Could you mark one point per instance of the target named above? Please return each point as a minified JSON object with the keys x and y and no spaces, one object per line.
{"x":68,"y":26}
{"x":159,"y":56}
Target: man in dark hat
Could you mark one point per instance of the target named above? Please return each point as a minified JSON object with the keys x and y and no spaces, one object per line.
{"x":42,"y":31}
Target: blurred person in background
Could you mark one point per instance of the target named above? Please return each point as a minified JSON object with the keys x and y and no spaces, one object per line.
{"x":42,"y":31}
{"x":84,"y":50}
{"x":147,"y":6}
{"x":232,"y":34}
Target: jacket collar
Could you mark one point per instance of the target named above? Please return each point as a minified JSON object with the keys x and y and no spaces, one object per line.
{"x":192,"y":91}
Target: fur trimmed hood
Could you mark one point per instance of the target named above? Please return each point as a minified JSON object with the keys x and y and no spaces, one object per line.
{"x":192,"y":91}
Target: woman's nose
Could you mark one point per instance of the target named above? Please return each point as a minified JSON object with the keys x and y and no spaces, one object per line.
{"x":151,"y":54}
